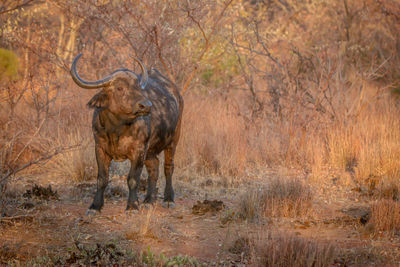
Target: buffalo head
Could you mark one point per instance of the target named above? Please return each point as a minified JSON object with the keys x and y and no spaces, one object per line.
{"x":122,"y":92}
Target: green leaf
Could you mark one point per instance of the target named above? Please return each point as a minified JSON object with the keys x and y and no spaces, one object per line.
{"x":8,"y":64}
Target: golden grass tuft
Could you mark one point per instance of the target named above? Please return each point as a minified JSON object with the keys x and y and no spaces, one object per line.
{"x":78,"y":165}
{"x":280,"y":249}
{"x":385,"y":217}
{"x":250,"y":205}
{"x":143,"y":227}
{"x":282,"y":197}
{"x":379,"y":155}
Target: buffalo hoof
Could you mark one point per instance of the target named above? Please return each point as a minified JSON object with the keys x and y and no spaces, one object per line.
{"x":92,"y":212}
{"x":168,"y":204}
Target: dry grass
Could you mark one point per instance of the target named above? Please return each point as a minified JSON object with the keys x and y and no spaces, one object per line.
{"x":143,"y":227}
{"x":7,"y":253}
{"x":275,"y":248}
{"x":218,"y":139}
{"x":250,"y":205}
{"x":287,"y":197}
{"x":213,"y":139}
{"x":282,"y":197}
{"x":288,"y":250}
{"x":367,"y":147}
{"x":385,"y":217}
{"x":342,"y":147}
{"x":78,"y":165}
{"x":388,"y":190}
{"x":379,"y":158}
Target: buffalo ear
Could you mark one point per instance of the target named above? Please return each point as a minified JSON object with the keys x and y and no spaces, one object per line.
{"x":100,"y":100}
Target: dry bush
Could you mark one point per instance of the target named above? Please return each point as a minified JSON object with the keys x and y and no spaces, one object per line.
{"x":366,"y":146}
{"x":23,"y":149}
{"x":328,"y":95}
{"x":218,"y":138}
{"x":385,"y":217}
{"x":279,"y":249}
{"x":213,"y":138}
{"x":78,"y":165}
{"x":281,"y":197}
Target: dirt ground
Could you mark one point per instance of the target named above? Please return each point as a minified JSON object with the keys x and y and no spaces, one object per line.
{"x":37,"y":226}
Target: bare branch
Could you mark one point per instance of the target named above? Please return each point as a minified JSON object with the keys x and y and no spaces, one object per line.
{"x":18,"y":6}
{"x":207,"y":46}
{"x":197,"y":22}
{"x":58,"y":150}
{"x":260,"y":41}
{"x":248,"y":77}
{"x":29,"y":142}
{"x":160,"y":57}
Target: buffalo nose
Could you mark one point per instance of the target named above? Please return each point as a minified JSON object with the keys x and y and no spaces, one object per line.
{"x":145,"y":105}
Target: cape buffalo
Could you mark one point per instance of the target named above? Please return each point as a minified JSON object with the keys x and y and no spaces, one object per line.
{"x":135,"y":117}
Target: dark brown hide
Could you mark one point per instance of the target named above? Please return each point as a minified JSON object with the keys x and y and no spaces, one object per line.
{"x":136,"y":124}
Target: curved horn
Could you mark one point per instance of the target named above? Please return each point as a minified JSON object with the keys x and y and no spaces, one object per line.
{"x":105,"y":81}
{"x":87,"y":84}
{"x":145,"y":75}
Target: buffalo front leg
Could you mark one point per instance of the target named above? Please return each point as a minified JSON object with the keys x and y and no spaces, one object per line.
{"x":133,"y":183}
{"x":168,"y":171}
{"x":103,"y":163}
{"x":152,"y":169}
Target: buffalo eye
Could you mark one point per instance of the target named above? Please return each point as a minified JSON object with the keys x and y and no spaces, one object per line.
{"x":119,"y":89}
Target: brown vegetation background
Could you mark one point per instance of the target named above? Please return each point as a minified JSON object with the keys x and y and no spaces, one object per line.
{"x":291,"y":112}
{"x":308,"y":85}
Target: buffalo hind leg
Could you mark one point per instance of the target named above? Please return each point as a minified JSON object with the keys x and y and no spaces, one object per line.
{"x":133,"y":183}
{"x":169,"y":154}
{"x":152,"y":165}
{"x":103,"y":163}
